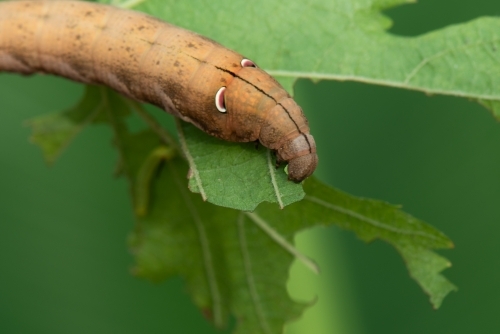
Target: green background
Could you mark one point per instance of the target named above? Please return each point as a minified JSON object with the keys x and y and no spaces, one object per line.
{"x":63,"y":256}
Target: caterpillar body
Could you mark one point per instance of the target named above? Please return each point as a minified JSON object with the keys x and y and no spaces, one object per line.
{"x":187,"y":75}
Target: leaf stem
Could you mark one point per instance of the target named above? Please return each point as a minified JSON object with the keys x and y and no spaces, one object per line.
{"x":142,"y":186}
{"x":249,"y":276}
{"x":206,"y":253}
{"x":273,"y":234}
{"x":154,"y":125}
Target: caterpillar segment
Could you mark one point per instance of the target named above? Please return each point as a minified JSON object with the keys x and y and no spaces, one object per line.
{"x":188,"y":75}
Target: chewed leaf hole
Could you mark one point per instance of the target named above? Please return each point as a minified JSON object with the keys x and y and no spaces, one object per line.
{"x":219,"y":100}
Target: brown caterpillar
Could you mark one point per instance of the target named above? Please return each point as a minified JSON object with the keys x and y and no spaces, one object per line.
{"x":188,"y":75}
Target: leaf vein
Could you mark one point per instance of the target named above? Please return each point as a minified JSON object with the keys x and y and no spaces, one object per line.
{"x":383,"y":82}
{"x":206,"y":253}
{"x":272,"y":172}
{"x":189,"y":157}
{"x":249,"y":276}
{"x":281,"y":241}
{"x":442,"y":53}
{"x":366,"y":219}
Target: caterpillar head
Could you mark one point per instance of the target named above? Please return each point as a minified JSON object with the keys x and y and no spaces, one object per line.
{"x":257,"y":107}
{"x":300,"y":153}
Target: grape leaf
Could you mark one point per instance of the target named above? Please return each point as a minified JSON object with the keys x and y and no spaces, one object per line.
{"x":235,"y":262}
{"x":238,"y":176}
{"x":182,"y":235}
{"x":347,"y":40}
{"x":232,"y":265}
{"x":54,"y":132}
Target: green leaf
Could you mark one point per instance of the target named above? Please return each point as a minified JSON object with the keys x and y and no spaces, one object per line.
{"x":238,"y":176}
{"x":236,"y":263}
{"x":372,"y":219}
{"x":225,"y":262}
{"x":347,"y":40}
{"x":228,"y":264}
{"x":425,"y":267}
{"x":492,"y":105}
{"x":54,"y":132}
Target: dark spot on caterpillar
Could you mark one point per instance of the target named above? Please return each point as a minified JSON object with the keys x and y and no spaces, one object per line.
{"x":149,"y":42}
{"x":127,"y":48}
{"x":176,"y":64}
{"x":180,"y":72}
{"x":234,"y":65}
{"x":223,"y":80}
{"x":191,"y":45}
{"x":78,"y":37}
{"x":140,"y":28}
{"x":109,"y":49}
{"x":88,"y":13}
{"x":157,"y":62}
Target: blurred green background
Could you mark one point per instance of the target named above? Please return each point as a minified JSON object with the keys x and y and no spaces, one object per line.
{"x":63,"y":229}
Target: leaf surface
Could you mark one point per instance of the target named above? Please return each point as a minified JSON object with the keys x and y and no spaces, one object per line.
{"x":347,"y":40}
{"x":225,"y":262}
{"x":242,"y":269}
{"x":235,"y":262}
{"x":238,"y":176}
{"x":54,"y":132}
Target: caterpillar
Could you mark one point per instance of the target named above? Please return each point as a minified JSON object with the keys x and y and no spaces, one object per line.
{"x":186,"y":74}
